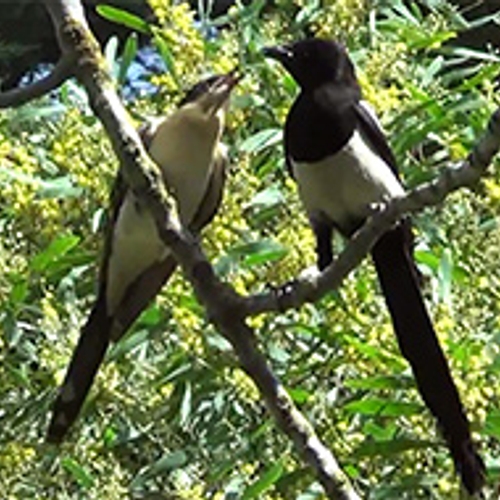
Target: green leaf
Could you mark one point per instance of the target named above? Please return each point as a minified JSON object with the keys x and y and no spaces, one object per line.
{"x":393,"y":447}
{"x":445,"y":275}
{"x":123,"y":17}
{"x":299,"y":396}
{"x":267,"y":198}
{"x":251,"y":254}
{"x":166,"y":55}
{"x":308,"y":13}
{"x":177,"y":372}
{"x":109,"y":437}
{"x":59,"y":187}
{"x":129,"y":53}
{"x":492,"y":424}
{"x":265,"y":481}
{"x":382,"y":407}
{"x":378,"y":432}
{"x":380,"y":382}
{"x":79,"y":473}
{"x":315,"y":491}
{"x":7,"y":175}
{"x":261,"y":252}
{"x":365,"y":407}
{"x":31,"y":112}
{"x":127,"y":344}
{"x":166,"y":463}
{"x":110,"y":53}
{"x":471,"y":54}
{"x":152,"y":316}
{"x":18,"y":292}
{"x":56,"y":249}
{"x":186,"y":404}
{"x":429,"y":259}
{"x":261,"y":140}
{"x":431,"y":71}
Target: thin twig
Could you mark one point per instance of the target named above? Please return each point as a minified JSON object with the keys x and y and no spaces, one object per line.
{"x":59,"y":74}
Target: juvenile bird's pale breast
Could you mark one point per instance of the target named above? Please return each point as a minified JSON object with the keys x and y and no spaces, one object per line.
{"x":184,"y":150}
{"x":135,"y":246}
{"x":345,"y":185}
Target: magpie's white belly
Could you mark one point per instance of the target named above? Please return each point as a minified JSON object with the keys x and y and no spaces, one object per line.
{"x":345,"y":186}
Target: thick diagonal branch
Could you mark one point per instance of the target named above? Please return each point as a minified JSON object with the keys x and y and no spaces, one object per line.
{"x":221,"y":302}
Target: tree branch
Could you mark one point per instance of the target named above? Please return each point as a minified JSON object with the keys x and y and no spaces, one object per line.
{"x":59,"y":74}
{"x":221,"y":302}
{"x":226,"y":309}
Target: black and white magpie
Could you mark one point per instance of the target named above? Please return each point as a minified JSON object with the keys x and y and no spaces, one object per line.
{"x":136,"y":264}
{"x":336,"y":151}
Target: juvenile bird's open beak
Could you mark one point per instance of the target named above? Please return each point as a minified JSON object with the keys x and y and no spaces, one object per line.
{"x":219,"y":92}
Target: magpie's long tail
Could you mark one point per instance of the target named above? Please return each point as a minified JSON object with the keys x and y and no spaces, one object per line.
{"x":418,"y":342}
{"x":88,"y":355}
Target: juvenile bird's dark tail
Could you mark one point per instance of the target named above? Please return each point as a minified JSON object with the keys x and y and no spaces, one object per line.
{"x":88,"y":355}
{"x":420,"y":346}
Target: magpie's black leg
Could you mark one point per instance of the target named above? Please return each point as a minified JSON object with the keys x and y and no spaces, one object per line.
{"x":323,"y":233}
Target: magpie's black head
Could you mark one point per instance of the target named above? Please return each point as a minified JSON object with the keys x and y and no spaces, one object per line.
{"x":314,"y":62}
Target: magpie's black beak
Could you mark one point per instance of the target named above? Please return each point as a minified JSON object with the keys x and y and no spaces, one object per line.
{"x":281,"y":53}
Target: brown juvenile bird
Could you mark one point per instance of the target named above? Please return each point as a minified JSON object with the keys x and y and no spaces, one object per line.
{"x":136,"y":264}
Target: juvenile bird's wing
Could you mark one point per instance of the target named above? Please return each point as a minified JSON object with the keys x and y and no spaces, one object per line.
{"x":213,"y":196}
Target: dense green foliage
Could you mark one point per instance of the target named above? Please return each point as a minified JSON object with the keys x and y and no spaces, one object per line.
{"x":171,"y":414}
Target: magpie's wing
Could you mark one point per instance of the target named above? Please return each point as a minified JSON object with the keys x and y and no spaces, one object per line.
{"x":370,"y":127}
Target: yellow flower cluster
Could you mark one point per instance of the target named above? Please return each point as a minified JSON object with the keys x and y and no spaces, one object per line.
{"x":340,"y":19}
{"x":183,"y":41}
{"x":386,"y":62}
{"x":246,"y":387}
{"x":51,"y":321}
{"x":18,"y":177}
{"x":86,"y":163}
{"x":492,"y":188}
{"x":14,"y":457}
{"x":67,"y":153}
